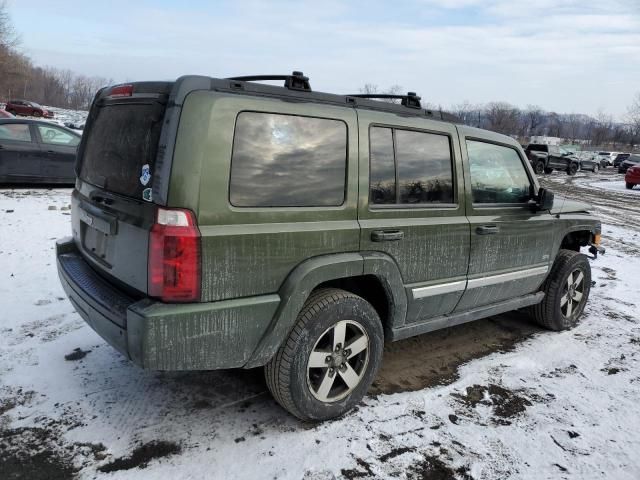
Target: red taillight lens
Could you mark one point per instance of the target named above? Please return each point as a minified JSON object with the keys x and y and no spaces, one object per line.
{"x":174,"y":256}
{"x":121,"y":91}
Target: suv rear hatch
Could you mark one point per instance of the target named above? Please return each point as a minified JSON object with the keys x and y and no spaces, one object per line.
{"x":112,"y":213}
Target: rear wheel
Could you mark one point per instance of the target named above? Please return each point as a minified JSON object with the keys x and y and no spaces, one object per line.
{"x":566,"y":292}
{"x":330,"y":358}
{"x":539,"y":169}
{"x":630,"y":185}
{"x":595,"y":168}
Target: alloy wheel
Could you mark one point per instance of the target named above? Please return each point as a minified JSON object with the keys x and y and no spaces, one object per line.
{"x":573,"y":293}
{"x":338,"y":361}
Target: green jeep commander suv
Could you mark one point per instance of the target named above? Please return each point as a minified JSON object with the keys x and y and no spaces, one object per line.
{"x":224,"y":223}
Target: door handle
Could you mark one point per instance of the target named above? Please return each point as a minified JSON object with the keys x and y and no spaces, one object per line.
{"x":487,"y":229}
{"x":386,"y":236}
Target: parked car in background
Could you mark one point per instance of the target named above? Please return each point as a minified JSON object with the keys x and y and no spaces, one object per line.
{"x":605,"y":159}
{"x":5,"y":114}
{"x":628,"y":163}
{"x":33,"y":151}
{"x":547,"y":158}
{"x":589,"y":161}
{"x":621,"y":157}
{"x":632,"y":177}
{"x":28,"y":109}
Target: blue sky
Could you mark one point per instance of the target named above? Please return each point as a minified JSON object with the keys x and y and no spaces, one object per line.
{"x":565,"y":55}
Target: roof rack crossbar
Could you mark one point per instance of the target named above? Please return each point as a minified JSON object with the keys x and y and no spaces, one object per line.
{"x":295,"y":81}
{"x":410,"y":100}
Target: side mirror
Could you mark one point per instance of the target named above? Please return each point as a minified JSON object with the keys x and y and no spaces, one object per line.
{"x":545,"y":200}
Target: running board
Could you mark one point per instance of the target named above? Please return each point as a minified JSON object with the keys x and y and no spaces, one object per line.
{"x":450,"y":320}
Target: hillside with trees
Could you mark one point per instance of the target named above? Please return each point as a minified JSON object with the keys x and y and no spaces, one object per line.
{"x":20,"y":78}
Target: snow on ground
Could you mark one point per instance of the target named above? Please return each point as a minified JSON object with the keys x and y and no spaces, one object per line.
{"x":616,"y":186}
{"x":558,"y":405}
{"x":63,"y":116}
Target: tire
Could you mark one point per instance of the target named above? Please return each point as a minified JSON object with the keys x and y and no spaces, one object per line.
{"x":37,"y":114}
{"x":539,"y":169}
{"x":595,"y":168}
{"x":299,"y":389}
{"x":552,"y":313}
{"x":630,"y":185}
{"x":548,"y":170}
{"x":603,"y":164}
{"x":572,"y":169}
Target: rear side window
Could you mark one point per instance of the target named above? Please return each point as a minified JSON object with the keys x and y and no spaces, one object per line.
{"x":497,"y":174}
{"x":288,"y":161}
{"x":409,"y":167}
{"x":383,"y":168}
{"x":15,"y":131}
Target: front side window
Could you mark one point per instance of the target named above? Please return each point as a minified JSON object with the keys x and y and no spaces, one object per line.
{"x":57,"y":136}
{"x":497,"y":174}
{"x":17,"y":132}
{"x":288,"y":161}
{"x":409,"y":167}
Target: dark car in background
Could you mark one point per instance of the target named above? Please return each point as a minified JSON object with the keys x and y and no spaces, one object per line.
{"x":547,"y":158}
{"x":628,"y":163}
{"x":589,"y":161}
{"x":621,"y":157}
{"x":33,"y":151}
{"x":28,"y":109}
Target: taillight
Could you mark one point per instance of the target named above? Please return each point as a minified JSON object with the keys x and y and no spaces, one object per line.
{"x":174,"y":256}
{"x":121,"y":91}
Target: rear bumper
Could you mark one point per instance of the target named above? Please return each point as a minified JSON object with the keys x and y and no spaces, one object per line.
{"x":159,"y":336}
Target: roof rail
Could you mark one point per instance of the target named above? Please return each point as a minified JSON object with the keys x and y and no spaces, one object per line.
{"x":410,"y":100}
{"x":295,"y":81}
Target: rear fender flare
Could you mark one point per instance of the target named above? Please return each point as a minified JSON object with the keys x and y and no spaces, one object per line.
{"x":304,"y":278}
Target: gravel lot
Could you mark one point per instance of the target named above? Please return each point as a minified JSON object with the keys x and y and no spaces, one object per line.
{"x":494,"y":399}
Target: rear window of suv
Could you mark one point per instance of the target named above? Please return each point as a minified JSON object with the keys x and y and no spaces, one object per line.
{"x":122,"y":143}
{"x":288,"y":161}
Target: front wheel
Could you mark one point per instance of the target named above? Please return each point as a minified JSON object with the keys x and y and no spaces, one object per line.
{"x":539,"y":169}
{"x":573,"y":169}
{"x":37,"y":114}
{"x":548,"y":170}
{"x":326,"y":365}
{"x":595,"y":168}
{"x":566,"y":291}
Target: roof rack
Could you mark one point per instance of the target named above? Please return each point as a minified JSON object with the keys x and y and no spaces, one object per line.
{"x":410,"y":100}
{"x":295,"y":81}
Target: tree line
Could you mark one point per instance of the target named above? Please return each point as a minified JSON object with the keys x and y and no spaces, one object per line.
{"x":21,"y":79}
{"x":523,"y":124}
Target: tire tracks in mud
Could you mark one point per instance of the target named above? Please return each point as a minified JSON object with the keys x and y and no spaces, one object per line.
{"x":615,"y":208}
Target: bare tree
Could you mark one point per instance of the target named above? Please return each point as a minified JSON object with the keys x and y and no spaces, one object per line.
{"x":502,"y":117}
{"x":572,"y":126}
{"x":535,"y":116}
